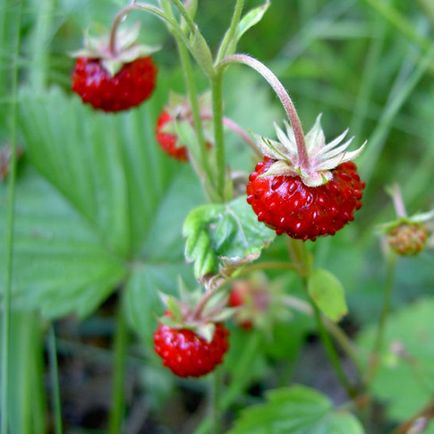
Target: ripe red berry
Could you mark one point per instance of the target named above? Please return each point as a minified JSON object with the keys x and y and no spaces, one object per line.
{"x":188,"y":355}
{"x":169,"y":142}
{"x":287,"y":205}
{"x":129,"y":87}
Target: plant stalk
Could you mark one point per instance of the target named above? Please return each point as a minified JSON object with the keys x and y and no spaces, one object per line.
{"x":381,"y":327}
{"x":54,"y":376}
{"x":119,"y":367}
{"x":300,"y":256}
{"x":10,"y":228}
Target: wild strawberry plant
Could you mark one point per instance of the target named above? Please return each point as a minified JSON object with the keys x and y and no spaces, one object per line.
{"x":210,"y":236}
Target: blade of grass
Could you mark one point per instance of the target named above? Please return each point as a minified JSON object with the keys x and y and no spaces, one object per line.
{"x":377,"y":139}
{"x":10,"y":221}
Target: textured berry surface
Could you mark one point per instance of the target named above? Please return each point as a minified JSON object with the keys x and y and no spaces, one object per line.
{"x":132,"y":85}
{"x":188,"y":355}
{"x":408,"y":239}
{"x":169,"y":141}
{"x":288,"y":206}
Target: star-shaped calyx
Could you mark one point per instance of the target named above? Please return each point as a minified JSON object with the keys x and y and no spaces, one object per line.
{"x":316,"y":166}
{"x":116,"y":50}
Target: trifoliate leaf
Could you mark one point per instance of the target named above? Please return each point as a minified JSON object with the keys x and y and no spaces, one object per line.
{"x":217,"y":233}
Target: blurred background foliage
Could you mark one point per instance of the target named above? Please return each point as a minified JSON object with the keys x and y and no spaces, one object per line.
{"x":100,"y":207}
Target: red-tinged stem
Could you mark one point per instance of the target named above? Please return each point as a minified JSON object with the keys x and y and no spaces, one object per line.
{"x":120,"y":16}
{"x":238,"y":130}
{"x":398,"y":201}
{"x":282,"y":94}
{"x":202,"y":303}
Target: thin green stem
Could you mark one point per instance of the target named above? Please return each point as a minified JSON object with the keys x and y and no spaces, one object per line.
{"x":331,"y":352}
{"x":217,"y":105}
{"x":381,"y":327}
{"x":337,"y":333}
{"x":119,"y":366}
{"x":184,"y":12}
{"x":54,"y":375}
{"x":300,"y":256}
{"x":10,"y":222}
{"x":215,"y":402}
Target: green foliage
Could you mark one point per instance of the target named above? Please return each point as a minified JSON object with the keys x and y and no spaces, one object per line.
{"x":405,"y":380}
{"x":218,"y":235}
{"x":296,"y":410}
{"x":105,"y":210}
{"x":328,"y":294}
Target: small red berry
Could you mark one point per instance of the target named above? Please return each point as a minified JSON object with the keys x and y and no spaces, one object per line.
{"x":287,"y":205}
{"x":237,"y":298}
{"x":169,"y":142}
{"x":129,"y":87}
{"x":187,"y":354}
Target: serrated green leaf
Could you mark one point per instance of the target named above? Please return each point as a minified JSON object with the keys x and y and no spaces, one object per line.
{"x":61,"y":266}
{"x":296,"y":410}
{"x":328,"y":294}
{"x":217,"y":233}
{"x":406,"y":360}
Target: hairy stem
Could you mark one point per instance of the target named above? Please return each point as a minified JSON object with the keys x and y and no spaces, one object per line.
{"x":54,"y":375}
{"x":10,"y":227}
{"x":184,"y":12}
{"x":398,"y":201}
{"x":283,"y":96}
{"x":136,"y":6}
{"x":238,"y":130}
{"x":381,"y":327}
{"x":119,"y":366}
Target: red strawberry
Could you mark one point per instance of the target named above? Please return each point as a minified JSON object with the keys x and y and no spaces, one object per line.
{"x":129,"y":87}
{"x":289,"y":206}
{"x":187,"y":354}
{"x":169,"y":142}
{"x":305,"y":187}
{"x":114,"y":72}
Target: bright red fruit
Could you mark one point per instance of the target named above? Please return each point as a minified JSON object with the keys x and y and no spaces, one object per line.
{"x":188,"y":355}
{"x":169,"y":142}
{"x":287,"y":205}
{"x":237,"y":298}
{"x":129,"y":87}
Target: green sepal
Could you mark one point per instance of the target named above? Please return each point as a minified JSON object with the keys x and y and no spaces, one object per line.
{"x":201,"y":52}
{"x":249,"y":20}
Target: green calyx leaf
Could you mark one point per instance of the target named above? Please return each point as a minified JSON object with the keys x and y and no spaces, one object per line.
{"x":328,"y":294}
{"x":296,"y":410}
{"x":201,"y":52}
{"x":217,"y":233}
{"x":249,"y":20}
